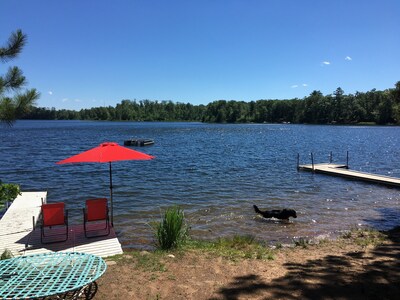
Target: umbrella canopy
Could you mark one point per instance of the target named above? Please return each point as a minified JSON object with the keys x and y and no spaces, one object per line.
{"x":107,"y":153}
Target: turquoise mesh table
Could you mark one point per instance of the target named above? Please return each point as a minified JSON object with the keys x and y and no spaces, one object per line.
{"x":50,"y":274}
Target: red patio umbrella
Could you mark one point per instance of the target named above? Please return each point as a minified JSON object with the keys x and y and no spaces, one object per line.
{"x":107,"y":153}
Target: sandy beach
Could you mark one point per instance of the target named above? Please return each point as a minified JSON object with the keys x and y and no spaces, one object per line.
{"x":357,"y":266}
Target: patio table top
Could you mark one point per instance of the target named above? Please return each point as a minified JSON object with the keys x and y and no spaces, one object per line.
{"x":43,"y":275}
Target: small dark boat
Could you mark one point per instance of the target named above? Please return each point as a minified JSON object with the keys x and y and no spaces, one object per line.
{"x":138,"y":142}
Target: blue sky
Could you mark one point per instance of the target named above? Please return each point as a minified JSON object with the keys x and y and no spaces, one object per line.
{"x":82,"y":54}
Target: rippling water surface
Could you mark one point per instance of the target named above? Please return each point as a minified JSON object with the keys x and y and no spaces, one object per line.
{"x":214,"y":172}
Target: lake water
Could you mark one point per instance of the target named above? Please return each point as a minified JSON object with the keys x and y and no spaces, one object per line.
{"x":215,"y":172}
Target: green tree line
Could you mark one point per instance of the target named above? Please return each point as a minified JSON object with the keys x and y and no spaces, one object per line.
{"x":127,"y":110}
{"x":378,"y":107}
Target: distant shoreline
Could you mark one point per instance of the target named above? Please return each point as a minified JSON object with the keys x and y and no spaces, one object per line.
{"x":372,"y":107}
{"x":366,"y":124}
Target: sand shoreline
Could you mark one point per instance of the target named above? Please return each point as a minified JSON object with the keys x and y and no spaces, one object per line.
{"x":351,"y":267}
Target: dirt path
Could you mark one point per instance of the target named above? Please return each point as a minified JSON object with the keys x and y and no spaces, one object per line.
{"x":341,"y":269}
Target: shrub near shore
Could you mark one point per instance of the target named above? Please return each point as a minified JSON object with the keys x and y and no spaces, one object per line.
{"x":171,"y":232}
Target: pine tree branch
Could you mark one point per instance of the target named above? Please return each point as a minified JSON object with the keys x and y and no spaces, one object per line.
{"x":7,"y":111}
{"x":14,"y":46}
{"x":24,"y":102}
{"x":2,"y":87}
{"x":13,"y":79}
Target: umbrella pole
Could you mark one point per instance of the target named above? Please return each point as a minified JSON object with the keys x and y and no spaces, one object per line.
{"x":111,"y":198}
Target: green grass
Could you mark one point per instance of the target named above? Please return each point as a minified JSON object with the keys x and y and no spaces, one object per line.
{"x":302,"y":242}
{"x":233,"y":248}
{"x":365,"y":237}
{"x":148,"y":261}
{"x":151,"y":263}
{"x":171,"y":232}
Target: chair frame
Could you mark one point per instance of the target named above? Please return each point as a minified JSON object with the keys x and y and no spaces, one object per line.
{"x":103,"y":217}
{"x":45,"y":223}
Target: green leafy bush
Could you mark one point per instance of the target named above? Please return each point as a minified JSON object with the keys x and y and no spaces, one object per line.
{"x":8,"y":192}
{"x":172,"y":231}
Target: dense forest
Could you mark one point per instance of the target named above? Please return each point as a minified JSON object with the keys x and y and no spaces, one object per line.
{"x":375,"y":107}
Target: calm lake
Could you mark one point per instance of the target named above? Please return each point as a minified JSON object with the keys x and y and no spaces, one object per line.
{"x":214,"y":172}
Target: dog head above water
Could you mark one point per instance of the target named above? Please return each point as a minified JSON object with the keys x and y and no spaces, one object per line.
{"x":289,"y":213}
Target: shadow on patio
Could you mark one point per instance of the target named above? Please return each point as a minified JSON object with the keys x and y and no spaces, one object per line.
{"x":76,"y":242}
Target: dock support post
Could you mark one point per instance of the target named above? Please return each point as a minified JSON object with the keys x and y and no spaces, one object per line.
{"x":298,"y":161}
{"x":312,"y":161}
{"x":347,"y":160}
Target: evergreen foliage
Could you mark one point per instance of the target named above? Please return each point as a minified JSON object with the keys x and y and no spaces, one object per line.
{"x":378,"y":107}
{"x":16,"y":106}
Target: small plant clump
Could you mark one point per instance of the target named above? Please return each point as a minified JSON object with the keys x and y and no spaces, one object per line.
{"x":302,"y":242}
{"x":141,"y":260}
{"x":6,"y":254}
{"x":234,"y":248}
{"x":172,"y":231}
{"x":365,"y":237}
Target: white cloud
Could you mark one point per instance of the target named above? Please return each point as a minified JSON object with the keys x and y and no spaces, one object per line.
{"x":77,"y":100}
{"x":64,"y":100}
{"x":348,"y":58}
{"x":326,"y":63}
{"x":50,"y":93}
{"x":296,"y":85}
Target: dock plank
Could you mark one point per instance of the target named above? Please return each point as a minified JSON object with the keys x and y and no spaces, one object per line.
{"x":18,"y":216}
{"x":342,"y":171}
{"x":18,"y":235}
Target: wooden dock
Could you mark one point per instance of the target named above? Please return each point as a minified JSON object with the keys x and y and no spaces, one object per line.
{"x":343,"y":171}
{"x":18,"y":235}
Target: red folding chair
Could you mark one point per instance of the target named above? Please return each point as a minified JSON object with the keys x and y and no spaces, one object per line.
{"x":96,"y":210}
{"x":53,"y":215}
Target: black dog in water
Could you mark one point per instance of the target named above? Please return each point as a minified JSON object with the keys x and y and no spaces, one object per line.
{"x":283,"y":214}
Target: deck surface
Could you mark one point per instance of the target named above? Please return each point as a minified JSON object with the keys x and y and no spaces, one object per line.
{"x":18,"y":236}
{"x":342,"y":171}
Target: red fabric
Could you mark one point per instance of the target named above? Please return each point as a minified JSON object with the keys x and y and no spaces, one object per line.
{"x":96,"y":209}
{"x":107,"y":152}
{"x":53,"y":214}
